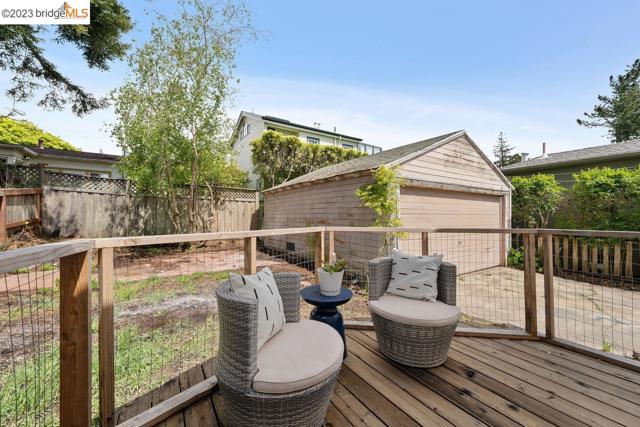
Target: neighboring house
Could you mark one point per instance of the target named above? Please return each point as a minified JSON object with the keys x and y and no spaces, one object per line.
{"x":564,"y":164}
{"x":64,"y":161}
{"x":251,"y":126}
{"x":448,"y":182}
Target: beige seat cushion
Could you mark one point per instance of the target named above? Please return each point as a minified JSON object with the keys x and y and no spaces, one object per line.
{"x":301,"y":355}
{"x":415,"y":312}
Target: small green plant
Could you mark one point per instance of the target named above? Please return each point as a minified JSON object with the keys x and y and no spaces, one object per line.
{"x":607,"y":346}
{"x":382,"y":197}
{"x":335,"y":266}
{"x":47,"y":266}
{"x":515,"y":257}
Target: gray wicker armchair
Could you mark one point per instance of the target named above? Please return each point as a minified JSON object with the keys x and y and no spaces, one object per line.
{"x":413,"y":332}
{"x":237,"y":364}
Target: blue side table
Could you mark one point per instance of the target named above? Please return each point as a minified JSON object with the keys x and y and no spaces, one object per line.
{"x":327,"y":308}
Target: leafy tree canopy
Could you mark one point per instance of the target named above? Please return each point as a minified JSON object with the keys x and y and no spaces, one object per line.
{"x":619,"y":113}
{"x":22,"y":55}
{"x":171,"y":112}
{"x":22,"y":132}
{"x":534,"y":199}
{"x":278,"y":158}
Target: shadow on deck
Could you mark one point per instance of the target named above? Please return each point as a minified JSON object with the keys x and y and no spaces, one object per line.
{"x":495,"y":382}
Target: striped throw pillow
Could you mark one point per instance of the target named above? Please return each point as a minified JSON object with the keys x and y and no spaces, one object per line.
{"x":262,"y":286}
{"x":414,"y":276}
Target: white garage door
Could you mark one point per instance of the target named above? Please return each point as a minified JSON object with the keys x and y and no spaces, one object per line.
{"x":426,"y":208}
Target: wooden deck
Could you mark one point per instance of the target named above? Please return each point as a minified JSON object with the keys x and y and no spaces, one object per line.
{"x":493,"y":382}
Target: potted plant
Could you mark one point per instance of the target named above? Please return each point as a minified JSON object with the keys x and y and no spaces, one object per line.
{"x":330,"y":276}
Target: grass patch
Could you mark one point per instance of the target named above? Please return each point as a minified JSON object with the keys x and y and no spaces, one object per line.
{"x":30,"y":395}
{"x":150,"y":349}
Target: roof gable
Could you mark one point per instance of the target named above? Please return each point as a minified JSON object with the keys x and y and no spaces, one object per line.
{"x":390,"y":157}
{"x":460,"y":158}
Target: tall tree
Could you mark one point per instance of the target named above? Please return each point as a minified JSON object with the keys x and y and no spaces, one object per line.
{"x":503,"y":152}
{"x":619,"y":113}
{"x":171,"y":112}
{"x":22,"y":54}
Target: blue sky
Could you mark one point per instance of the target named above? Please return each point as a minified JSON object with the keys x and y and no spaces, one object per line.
{"x":396,"y":72}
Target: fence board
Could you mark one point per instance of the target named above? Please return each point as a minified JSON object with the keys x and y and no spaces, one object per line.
{"x":85,"y":213}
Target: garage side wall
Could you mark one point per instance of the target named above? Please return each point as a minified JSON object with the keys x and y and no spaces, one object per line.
{"x":318,"y":204}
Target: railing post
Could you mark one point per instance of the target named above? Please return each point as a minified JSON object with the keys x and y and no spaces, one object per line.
{"x":249,"y":255}
{"x":425,"y":243}
{"x":628,"y":256}
{"x":3,"y":219}
{"x":75,"y":340}
{"x":106,"y":347}
{"x":549,"y":314}
{"x":319,"y":250}
{"x":332,"y":243}
{"x":530,"y":306}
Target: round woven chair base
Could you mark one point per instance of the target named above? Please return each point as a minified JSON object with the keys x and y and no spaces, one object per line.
{"x":417,"y":346}
{"x":306,"y":408}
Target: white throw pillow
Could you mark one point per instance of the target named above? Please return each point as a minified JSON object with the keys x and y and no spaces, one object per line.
{"x":414,"y":276}
{"x":262,"y":286}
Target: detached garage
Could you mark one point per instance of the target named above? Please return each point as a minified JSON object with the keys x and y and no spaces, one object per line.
{"x":448,"y":182}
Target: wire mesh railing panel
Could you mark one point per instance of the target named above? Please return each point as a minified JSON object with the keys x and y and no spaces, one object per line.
{"x":165,"y":311}
{"x":165,"y":315}
{"x":596,"y":293}
{"x":490,"y":287}
{"x":29,"y":346}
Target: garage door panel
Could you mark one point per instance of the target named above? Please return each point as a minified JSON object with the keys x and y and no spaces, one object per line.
{"x":425,"y":208}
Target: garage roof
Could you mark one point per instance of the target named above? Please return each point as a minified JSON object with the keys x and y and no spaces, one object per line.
{"x":583,"y":155}
{"x":388,"y":157}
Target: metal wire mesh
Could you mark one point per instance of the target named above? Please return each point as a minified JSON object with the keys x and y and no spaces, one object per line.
{"x":490,"y":287}
{"x":29,"y":345}
{"x":165,"y":309}
{"x":597,"y":303}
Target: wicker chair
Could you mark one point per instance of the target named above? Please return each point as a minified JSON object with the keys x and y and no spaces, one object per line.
{"x":237,"y":360}
{"x":402,"y":339}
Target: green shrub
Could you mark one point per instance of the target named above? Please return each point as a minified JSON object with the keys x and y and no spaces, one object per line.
{"x":604,"y":199}
{"x":535,"y":199}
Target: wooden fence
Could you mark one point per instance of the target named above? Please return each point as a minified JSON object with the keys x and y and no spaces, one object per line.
{"x":18,"y":207}
{"x":93,"y":213}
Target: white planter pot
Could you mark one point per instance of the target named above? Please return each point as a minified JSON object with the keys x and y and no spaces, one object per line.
{"x":330,"y":282}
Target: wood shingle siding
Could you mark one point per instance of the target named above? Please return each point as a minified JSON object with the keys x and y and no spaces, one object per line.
{"x":448,"y":183}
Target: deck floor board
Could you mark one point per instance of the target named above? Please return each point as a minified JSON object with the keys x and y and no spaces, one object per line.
{"x":485,"y":382}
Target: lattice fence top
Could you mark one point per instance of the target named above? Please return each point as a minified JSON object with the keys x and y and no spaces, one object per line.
{"x":80,"y":182}
{"x":234,"y":193}
{"x":17,"y":176}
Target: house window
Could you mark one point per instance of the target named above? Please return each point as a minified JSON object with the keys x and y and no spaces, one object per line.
{"x":347,"y":145}
{"x":245,"y":130}
{"x":313,"y":140}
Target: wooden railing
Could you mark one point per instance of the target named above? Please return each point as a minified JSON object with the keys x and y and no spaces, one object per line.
{"x":75,"y":310}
